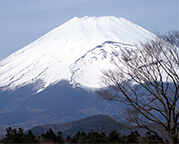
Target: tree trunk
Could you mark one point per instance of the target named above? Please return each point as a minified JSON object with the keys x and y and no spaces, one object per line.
{"x":173,"y":138}
{"x":178,"y":134}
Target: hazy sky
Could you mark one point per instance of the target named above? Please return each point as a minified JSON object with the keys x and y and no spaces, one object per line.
{"x":23,"y":21}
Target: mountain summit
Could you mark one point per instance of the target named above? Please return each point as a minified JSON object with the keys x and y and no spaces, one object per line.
{"x":76,"y":51}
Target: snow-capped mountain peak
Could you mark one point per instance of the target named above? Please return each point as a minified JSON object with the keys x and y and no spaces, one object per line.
{"x":52,"y":57}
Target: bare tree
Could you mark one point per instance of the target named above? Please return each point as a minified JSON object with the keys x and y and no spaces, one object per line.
{"x":146,"y":79}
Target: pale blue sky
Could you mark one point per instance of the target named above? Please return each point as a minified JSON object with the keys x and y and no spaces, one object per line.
{"x":23,"y":21}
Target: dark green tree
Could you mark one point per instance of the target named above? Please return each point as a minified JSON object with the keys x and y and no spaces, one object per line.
{"x":59,"y":138}
{"x":95,"y":137}
{"x":132,"y":138}
{"x":113,"y":137}
{"x":151,"y":138}
{"x":49,"y":135}
{"x":18,"y":136}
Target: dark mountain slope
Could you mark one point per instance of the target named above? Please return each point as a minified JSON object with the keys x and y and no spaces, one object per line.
{"x":56,"y":104}
{"x":95,"y":123}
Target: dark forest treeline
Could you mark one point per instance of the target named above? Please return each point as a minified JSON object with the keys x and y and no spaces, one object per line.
{"x":18,"y":136}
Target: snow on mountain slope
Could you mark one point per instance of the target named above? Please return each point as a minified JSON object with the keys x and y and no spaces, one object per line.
{"x":87,"y":70}
{"x":49,"y":58}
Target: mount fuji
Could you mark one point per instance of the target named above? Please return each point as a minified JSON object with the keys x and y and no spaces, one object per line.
{"x":36,"y":81}
{"x":59,"y":54}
